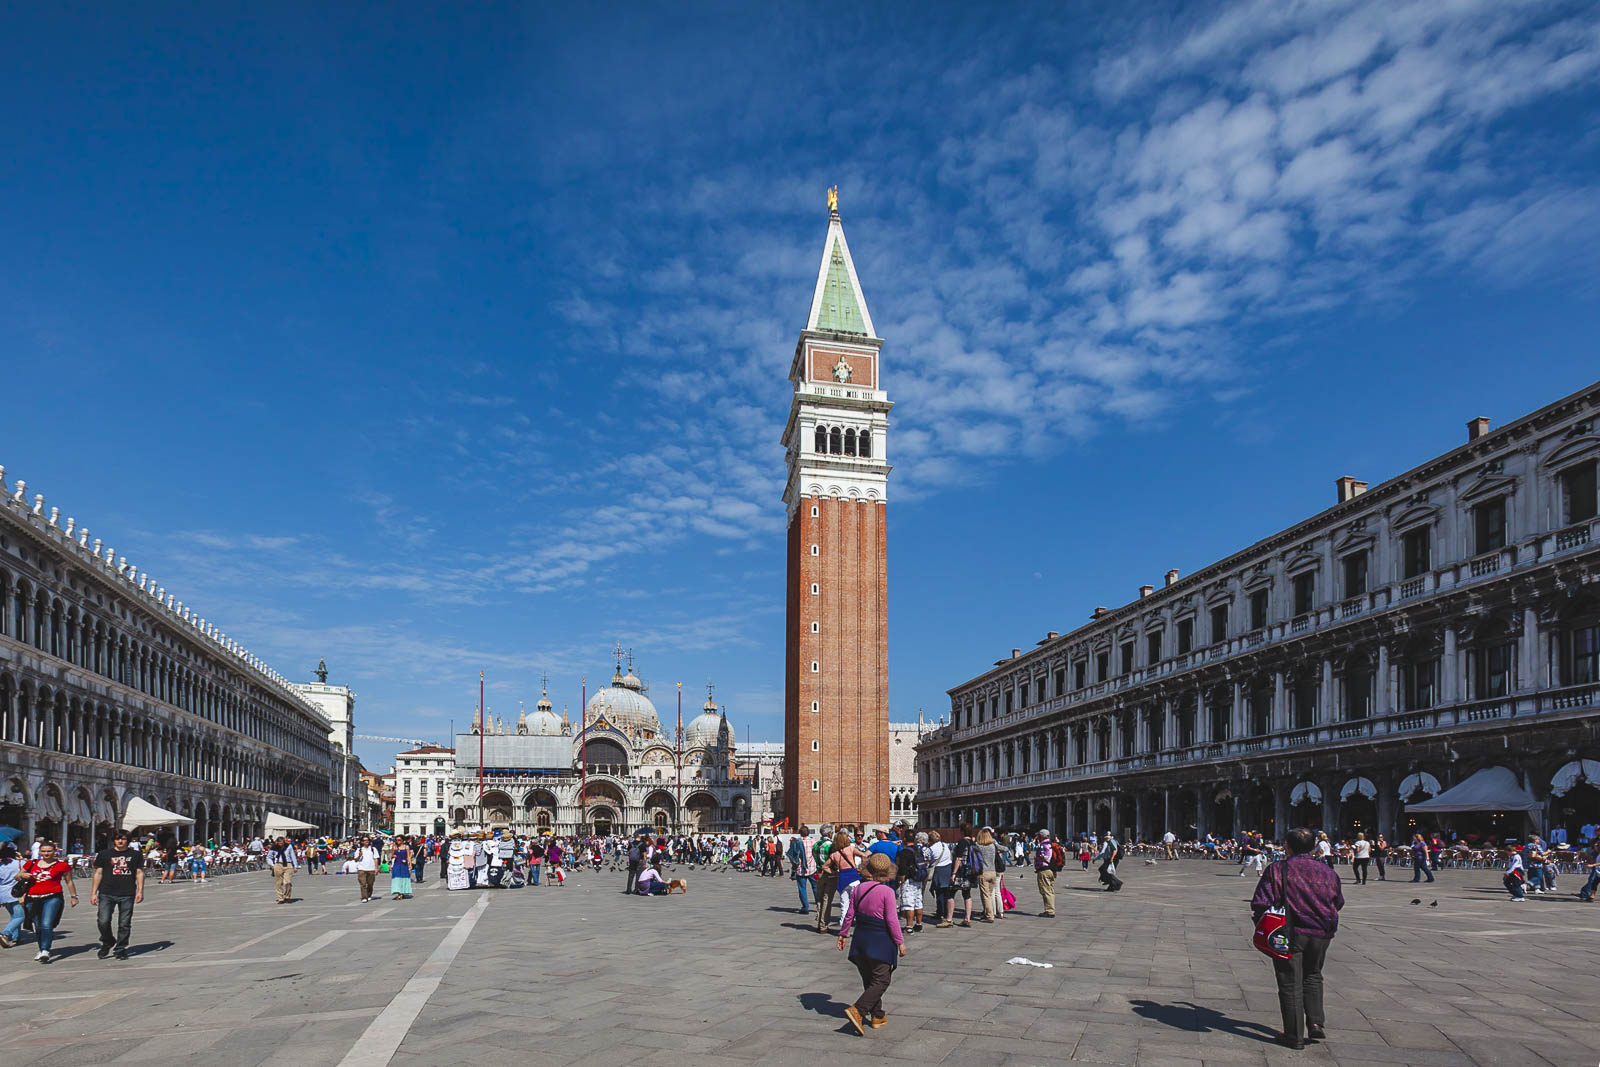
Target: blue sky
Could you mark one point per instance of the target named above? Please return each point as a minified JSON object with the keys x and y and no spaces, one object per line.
{"x":439,"y":340}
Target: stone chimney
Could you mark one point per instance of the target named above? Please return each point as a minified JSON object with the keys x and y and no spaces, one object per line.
{"x":1099,"y":612}
{"x":1015,"y":652}
{"x":1477,"y":427}
{"x":1146,"y":590}
{"x":1051,"y":636}
{"x":1172,"y":575}
{"x":1349,"y":488}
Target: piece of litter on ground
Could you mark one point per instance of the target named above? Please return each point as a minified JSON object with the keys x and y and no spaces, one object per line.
{"x":1026,"y":962}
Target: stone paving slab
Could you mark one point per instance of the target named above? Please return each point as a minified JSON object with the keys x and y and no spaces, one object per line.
{"x":1161,"y":973}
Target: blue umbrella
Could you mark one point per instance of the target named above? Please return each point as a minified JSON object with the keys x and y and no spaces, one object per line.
{"x":9,"y":833}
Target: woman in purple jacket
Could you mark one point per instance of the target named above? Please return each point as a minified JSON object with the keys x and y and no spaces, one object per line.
{"x":1312,"y":897}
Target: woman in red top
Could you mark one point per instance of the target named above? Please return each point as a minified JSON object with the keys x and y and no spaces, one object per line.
{"x":52,"y":878}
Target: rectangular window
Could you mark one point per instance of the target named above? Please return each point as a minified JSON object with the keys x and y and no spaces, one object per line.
{"x":1185,"y":636}
{"x":1355,"y":574}
{"x":422,"y":802}
{"x":1304,"y":698}
{"x":1489,"y":525}
{"x":1102,"y":666}
{"x":1258,"y":609}
{"x":1491,"y":672}
{"x":1416,"y":555}
{"x":1305,"y":590}
{"x":1578,"y":491}
{"x":1009,"y":697}
{"x":1357,"y":695}
{"x":1419,"y":684}
{"x":1582,"y":666}
{"x":1127,"y":658}
{"x":1219,"y":624}
{"x":1154,"y":643}
{"x":1061,"y":680}
{"x":1081,"y":674}
{"x":1022,"y":695}
{"x":994,"y":708}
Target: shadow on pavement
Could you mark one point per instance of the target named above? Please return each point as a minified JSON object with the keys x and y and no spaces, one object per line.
{"x":1200,"y":1020}
{"x":822,"y":1004}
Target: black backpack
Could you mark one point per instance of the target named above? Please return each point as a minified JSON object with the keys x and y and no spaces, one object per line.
{"x":975,"y":864}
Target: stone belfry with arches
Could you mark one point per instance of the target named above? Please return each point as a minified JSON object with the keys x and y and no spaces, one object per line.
{"x":836,"y":715}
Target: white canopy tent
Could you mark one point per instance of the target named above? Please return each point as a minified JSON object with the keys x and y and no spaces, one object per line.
{"x":282,"y":824}
{"x":142,"y":814}
{"x":1491,"y":789}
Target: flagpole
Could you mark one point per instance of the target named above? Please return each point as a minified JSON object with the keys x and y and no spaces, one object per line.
{"x":583,"y":757}
{"x":482,"y":726}
{"x":677,"y":811}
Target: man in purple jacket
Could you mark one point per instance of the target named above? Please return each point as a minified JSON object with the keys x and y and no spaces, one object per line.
{"x":1311,"y":894}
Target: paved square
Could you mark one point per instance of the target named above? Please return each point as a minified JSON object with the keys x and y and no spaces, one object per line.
{"x":1159,"y":974}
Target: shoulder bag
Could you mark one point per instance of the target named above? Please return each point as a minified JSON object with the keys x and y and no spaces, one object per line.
{"x":1272,"y":936}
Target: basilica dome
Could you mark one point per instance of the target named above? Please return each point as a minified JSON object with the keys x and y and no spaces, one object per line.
{"x":704,"y":728}
{"x":625,"y":708}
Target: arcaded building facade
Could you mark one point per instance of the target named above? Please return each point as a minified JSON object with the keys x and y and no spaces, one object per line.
{"x":111,"y":689}
{"x":1439,"y":624}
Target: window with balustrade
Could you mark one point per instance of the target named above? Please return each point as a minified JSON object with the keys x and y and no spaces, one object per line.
{"x":1579,"y":496}
{"x":1127,"y":658}
{"x":1220,"y":706}
{"x":1061,"y":680}
{"x":1258,"y":609}
{"x":1416,"y":552}
{"x":1419,"y":684}
{"x":1153,"y":643}
{"x":1305,"y":592}
{"x":1219,"y":624}
{"x":1303,"y":701}
{"x":1102,"y":666}
{"x":1080,"y":674}
{"x":1355,"y":574}
{"x":1260,"y":703}
{"x":1489,"y":526}
{"x":1357,"y":691}
{"x":1010,"y":696}
{"x":1489,"y":668}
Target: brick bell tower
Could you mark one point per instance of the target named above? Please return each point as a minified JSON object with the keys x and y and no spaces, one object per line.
{"x":836,"y":710}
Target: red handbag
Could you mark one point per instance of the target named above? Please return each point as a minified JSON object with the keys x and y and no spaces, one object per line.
{"x":1273,"y":930}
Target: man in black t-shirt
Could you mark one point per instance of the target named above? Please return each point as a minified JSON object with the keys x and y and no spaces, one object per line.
{"x":118,"y":885}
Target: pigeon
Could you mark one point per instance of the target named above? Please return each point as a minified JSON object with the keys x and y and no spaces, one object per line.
{"x":1435,"y":904}
{"x":1417,"y":900}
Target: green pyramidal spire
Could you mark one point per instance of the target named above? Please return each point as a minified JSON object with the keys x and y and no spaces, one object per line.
{"x":837,"y":305}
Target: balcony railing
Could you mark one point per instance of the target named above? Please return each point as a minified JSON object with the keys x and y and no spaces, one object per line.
{"x":1486,"y":565}
{"x":1572,"y":537}
{"x":1412,"y":587}
{"x":1352,"y":607}
{"x":1300,"y":623}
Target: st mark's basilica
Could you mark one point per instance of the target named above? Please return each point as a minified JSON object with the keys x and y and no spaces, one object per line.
{"x":615,"y":772}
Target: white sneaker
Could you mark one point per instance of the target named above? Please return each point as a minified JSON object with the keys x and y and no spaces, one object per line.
{"x":1539,"y":891}
{"x":1516,"y":900}
{"x":43,"y":957}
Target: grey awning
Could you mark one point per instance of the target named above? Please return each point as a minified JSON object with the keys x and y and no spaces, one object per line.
{"x":1491,"y":789}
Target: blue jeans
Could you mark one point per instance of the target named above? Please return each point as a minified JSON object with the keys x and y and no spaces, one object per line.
{"x":46,"y":912}
{"x":804,"y":884}
{"x":533,"y":873}
{"x":1419,"y":870}
{"x":14,"y":927}
{"x":1587,"y":892}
